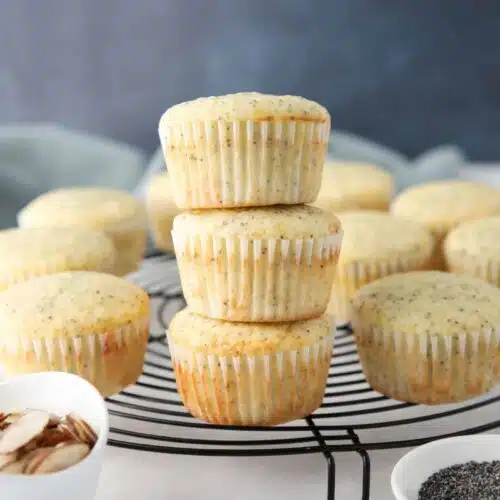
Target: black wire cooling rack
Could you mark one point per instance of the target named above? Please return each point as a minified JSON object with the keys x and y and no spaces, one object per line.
{"x":353,"y":418}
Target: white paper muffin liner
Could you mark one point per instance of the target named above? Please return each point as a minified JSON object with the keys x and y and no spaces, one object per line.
{"x":352,"y":276}
{"x":110,"y":360}
{"x":480,"y":267}
{"x":237,"y":279}
{"x":251,"y":390}
{"x":427,"y":367}
{"x":215,"y":164}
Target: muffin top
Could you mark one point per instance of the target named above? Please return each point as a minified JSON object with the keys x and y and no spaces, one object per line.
{"x":46,"y":250}
{"x":349,"y":185}
{"x":246,"y":106}
{"x":212,"y":336}
{"x":74,"y":303}
{"x":424,"y":302}
{"x":94,"y":208}
{"x":371,"y":236}
{"x":159,"y":194}
{"x":442,"y":205}
{"x":478,"y":238}
{"x":277,"y":222}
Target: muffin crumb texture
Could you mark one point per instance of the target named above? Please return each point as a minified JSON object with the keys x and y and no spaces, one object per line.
{"x":29,"y":252}
{"x":115,"y":212}
{"x":93,"y":208}
{"x":278,"y":222}
{"x":433,"y":302}
{"x":371,"y":236}
{"x":77,"y":302}
{"x":354,"y":186}
{"x":246,"y":106}
{"x":442,"y":205}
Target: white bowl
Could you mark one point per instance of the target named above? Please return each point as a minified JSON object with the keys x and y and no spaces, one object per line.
{"x":416,"y":466}
{"x":60,"y":393}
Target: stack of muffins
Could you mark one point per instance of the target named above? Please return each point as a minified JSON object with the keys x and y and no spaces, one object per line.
{"x":253,"y":347}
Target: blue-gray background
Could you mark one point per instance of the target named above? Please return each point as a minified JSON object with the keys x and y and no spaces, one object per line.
{"x":410,"y":74}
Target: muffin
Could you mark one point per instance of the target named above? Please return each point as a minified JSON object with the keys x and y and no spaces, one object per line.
{"x":473,"y":249}
{"x":354,"y":186}
{"x":428,"y":337}
{"x":250,"y":373}
{"x":115,"y":212}
{"x":262,"y":264}
{"x":375,"y":244}
{"x":91,"y":324}
{"x":30,"y":252}
{"x":162,"y":210}
{"x":442,"y":205}
{"x":245,"y":149}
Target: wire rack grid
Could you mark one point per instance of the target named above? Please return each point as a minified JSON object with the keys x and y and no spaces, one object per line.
{"x":149,"y":416}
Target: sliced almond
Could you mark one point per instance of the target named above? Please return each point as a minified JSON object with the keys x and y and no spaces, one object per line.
{"x":84,"y":431}
{"x":21,"y":432}
{"x":14,"y":416}
{"x":53,"y":437}
{"x":54,"y":421}
{"x":70,"y":429}
{"x":7,"y":418}
{"x":62,"y":458}
{"x":33,"y":460}
{"x":7,"y":459}
{"x":13,"y":468}
{"x":67,"y":443}
{"x":32,"y":445}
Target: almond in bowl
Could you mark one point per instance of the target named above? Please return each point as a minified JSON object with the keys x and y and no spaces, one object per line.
{"x":37,"y":442}
{"x":53,"y":433}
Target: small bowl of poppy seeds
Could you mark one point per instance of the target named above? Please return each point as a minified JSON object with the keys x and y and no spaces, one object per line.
{"x":457,"y":468}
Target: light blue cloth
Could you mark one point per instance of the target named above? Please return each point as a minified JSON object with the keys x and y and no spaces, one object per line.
{"x":37,"y":158}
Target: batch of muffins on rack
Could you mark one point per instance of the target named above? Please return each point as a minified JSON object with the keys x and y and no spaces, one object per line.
{"x":273,"y":248}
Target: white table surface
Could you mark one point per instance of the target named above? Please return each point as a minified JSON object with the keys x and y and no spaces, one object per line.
{"x":131,"y":475}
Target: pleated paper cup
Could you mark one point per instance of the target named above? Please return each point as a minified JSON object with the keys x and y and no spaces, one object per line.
{"x":427,"y":368}
{"x":245,"y":388}
{"x":225,"y":164}
{"x":483,"y":268}
{"x":375,"y":245}
{"x":110,"y":360}
{"x":94,"y":325}
{"x":473,"y":249}
{"x":237,"y":279}
{"x":428,"y":337}
{"x":352,"y":276}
